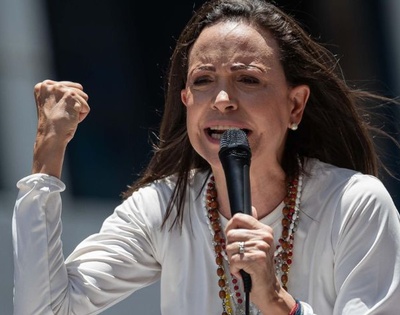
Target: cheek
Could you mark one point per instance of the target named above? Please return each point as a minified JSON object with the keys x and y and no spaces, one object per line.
{"x":271,"y":118}
{"x":187,"y":97}
{"x":194,"y":98}
{"x":188,"y":102}
{"x":190,"y":120}
{"x":194,"y":108}
{"x":193,"y":131}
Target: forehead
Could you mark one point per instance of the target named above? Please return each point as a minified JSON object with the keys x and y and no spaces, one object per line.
{"x":226,"y":40}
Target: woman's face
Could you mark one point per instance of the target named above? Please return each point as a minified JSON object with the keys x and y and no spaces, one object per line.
{"x":235,"y":80}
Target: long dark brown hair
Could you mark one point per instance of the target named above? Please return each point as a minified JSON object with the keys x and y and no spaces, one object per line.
{"x":333,"y":128}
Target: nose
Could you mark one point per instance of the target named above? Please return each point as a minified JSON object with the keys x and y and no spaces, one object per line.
{"x":223,"y":102}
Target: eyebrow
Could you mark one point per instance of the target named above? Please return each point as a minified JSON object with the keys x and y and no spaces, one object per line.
{"x":234,"y":67}
{"x":205,"y":67}
{"x":246,"y":67}
{"x":240,"y":67}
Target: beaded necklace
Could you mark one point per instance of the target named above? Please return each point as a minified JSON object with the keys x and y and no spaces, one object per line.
{"x":283,"y":254}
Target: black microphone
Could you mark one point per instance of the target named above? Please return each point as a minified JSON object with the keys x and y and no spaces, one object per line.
{"x":235,"y":156}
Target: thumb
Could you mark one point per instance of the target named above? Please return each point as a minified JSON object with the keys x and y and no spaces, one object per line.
{"x":254,"y":212}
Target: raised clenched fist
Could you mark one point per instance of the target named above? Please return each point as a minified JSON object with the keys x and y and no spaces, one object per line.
{"x":61,"y":106}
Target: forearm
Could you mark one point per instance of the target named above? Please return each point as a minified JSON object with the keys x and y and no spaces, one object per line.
{"x":48,"y":155}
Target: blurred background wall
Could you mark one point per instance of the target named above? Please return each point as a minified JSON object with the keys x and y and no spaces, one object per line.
{"x":120,"y":53}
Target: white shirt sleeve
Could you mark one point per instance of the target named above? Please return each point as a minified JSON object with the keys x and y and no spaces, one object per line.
{"x":38,"y":258}
{"x":103,"y":269}
{"x":367,"y":250}
{"x":347,"y":247}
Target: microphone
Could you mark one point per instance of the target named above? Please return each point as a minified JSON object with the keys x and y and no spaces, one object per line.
{"x":235,"y":155}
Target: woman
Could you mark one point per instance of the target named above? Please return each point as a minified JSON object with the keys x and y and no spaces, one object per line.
{"x":324,"y":237}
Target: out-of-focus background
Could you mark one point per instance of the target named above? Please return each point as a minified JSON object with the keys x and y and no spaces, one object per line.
{"x":119,"y":51}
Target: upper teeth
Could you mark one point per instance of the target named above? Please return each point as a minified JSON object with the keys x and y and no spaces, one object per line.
{"x":223,"y":128}
{"x":218,"y":135}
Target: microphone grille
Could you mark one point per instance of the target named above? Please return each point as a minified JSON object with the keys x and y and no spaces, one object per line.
{"x":234,"y":138}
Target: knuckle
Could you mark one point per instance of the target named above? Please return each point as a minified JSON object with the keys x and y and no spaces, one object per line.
{"x":47,"y":82}
{"x":68,"y":93}
{"x":69,"y":96}
{"x":37,"y":88}
{"x":57,"y":86}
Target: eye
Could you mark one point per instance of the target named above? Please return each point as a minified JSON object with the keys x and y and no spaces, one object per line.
{"x":248,"y":80}
{"x":203,"y":80}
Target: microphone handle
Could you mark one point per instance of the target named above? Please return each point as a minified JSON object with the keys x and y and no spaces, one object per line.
{"x":238,"y":185}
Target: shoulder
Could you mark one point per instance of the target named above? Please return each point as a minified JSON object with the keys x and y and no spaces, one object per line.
{"x":164,"y":187}
{"x":332,"y":186}
{"x":320,"y":175}
{"x":153,"y":199}
{"x":341,"y":204}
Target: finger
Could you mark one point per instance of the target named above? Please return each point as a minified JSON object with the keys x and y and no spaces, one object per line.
{"x":43,"y":89}
{"x":250,"y":255}
{"x":82,"y":109}
{"x":75,"y":87}
{"x":79,"y":107}
{"x":240,"y":258}
{"x":241,"y":220}
{"x":257,"y":238}
{"x":80,"y":92}
{"x":75,"y":97}
{"x":238,"y":248}
{"x":241,"y":248}
{"x":236,"y":251}
{"x":64,"y":83}
{"x":254,"y":212}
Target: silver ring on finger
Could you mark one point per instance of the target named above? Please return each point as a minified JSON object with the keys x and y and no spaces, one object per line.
{"x":241,"y":248}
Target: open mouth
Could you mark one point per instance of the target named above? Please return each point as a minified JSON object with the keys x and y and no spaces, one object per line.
{"x":216,"y":132}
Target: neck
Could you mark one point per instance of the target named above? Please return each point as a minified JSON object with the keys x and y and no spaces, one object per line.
{"x":267,"y":192}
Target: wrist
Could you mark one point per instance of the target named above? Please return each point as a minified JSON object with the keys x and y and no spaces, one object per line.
{"x":282,"y":305}
{"x":48,"y":156}
{"x":297,"y":309}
